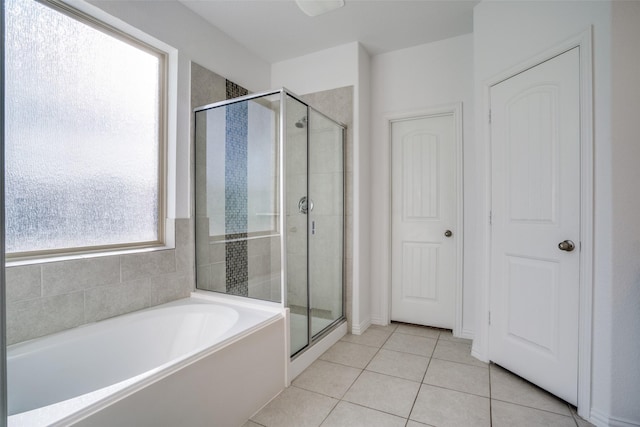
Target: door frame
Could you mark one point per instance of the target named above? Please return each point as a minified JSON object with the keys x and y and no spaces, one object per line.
{"x":455,"y":110}
{"x":481,"y":348}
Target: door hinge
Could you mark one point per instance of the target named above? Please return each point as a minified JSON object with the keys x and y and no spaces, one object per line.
{"x":489,"y":318}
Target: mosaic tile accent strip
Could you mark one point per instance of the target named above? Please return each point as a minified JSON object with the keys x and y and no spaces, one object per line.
{"x":234,"y":90}
{"x":237,"y":267}
{"x":236,"y":193}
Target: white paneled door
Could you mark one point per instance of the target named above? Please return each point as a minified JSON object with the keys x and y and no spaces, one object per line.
{"x":424,"y":215}
{"x":535,"y":231}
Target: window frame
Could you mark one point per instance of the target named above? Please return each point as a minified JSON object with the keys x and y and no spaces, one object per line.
{"x":162,"y":143}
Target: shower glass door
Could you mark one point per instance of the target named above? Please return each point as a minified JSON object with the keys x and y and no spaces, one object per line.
{"x":296,"y":158}
{"x":326,"y":192}
{"x":314,"y":171}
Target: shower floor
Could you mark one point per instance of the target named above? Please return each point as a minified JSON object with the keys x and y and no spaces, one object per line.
{"x":299,"y":329}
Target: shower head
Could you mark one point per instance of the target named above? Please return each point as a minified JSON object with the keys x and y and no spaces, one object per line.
{"x":302,"y":122}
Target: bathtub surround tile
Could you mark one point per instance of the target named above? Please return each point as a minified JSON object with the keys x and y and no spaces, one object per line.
{"x":51,"y":297}
{"x":185,"y":260}
{"x":413,"y":344}
{"x":42,"y":316}
{"x":330,"y":379}
{"x":170,"y":287}
{"x":384,"y":393}
{"x":513,"y":389}
{"x":147,"y":264}
{"x":295,"y":407}
{"x":109,"y":301}
{"x":185,"y":254}
{"x":345,"y":353}
{"x":348,"y":414}
{"x":456,"y":352}
{"x":23,"y":282}
{"x":505,"y":414}
{"x":69,"y":276}
{"x":401,"y":365}
{"x":447,"y":408}
{"x":458,"y":376}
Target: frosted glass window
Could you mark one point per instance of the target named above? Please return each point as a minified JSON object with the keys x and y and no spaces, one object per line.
{"x":82,"y":131}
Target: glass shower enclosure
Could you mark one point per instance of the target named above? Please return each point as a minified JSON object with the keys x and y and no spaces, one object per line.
{"x":269,"y":205}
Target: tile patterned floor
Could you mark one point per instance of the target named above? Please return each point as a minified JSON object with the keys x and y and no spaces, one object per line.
{"x":410,"y":376}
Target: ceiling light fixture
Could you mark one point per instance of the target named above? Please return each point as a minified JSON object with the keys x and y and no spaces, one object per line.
{"x":319,"y":7}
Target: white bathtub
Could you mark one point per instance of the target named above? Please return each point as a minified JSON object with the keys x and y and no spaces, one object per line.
{"x":190,"y":362}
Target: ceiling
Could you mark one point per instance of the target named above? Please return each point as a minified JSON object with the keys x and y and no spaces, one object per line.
{"x":276,"y":30}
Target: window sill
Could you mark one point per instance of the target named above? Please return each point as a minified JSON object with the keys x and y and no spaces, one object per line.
{"x":21,"y":261}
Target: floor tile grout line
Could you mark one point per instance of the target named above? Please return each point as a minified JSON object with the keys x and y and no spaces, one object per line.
{"x":531,"y":407}
{"x":356,"y":380}
{"x":458,"y":391}
{"x":459,"y":363}
{"x":330,"y":412}
{"x":415,"y":399}
{"x":372,"y":409}
{"x":490,"y":397}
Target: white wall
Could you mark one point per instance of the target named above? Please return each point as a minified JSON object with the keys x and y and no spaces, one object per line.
{"x":406,"y":81}
{"x":505,"y":35}
{"x":194,"y":39}
{"x":345,"y":65}
{"x":625,"y":292}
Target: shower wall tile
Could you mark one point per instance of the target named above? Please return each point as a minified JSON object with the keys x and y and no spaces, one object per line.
{"x":338,"y":104}
{"x":349,"y":193}
{"x":69,"y":276}
{"x":109,"y":301}
{"x":42,"y":316}
{"x":259,"y":246}
{"x":207,"y":87}
{"x":23,"y":282}
{"x":219,"y":276}
{"x":217,"y":252}
{"x":234,"y":90}
{"x":147,"y":264}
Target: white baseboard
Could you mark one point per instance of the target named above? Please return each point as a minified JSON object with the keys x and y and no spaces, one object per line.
{"x":600,"y":419}
{"x":358,"y":329}
{"x":477,"y":355}
{"x":467,"y":334}
{"x":378,"y":321}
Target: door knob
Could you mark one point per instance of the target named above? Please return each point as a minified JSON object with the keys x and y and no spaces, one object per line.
{"x":567,"y":245}
{"x":305,"y":205}
{"x":448,"y":233}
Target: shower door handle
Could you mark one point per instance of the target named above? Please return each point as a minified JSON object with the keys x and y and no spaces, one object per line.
{"x":305,"y":205}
